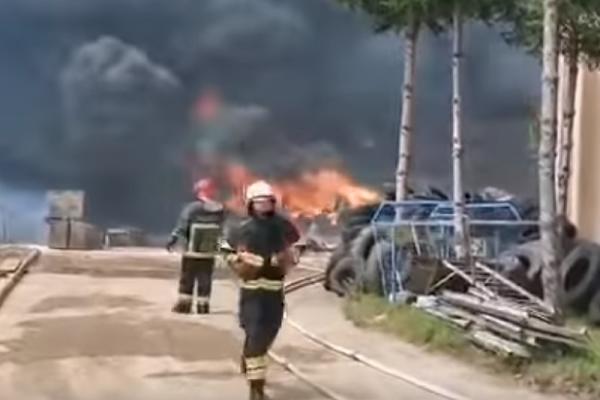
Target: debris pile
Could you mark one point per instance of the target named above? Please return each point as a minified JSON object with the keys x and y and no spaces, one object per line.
{"x":499,"y":326}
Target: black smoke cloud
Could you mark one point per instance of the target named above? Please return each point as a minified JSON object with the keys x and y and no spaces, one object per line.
{"x":96,"y":94}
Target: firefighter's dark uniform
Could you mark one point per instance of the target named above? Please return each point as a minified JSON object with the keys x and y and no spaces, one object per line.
{"x":261,"y":304}
{"x":200,"y":225}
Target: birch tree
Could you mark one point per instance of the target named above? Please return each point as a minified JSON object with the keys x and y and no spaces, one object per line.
{"x":546,"y":166}
{"x":455,"y":12}
{"x":457,"y":142}
{"x":578,"y":42}
{"x":408,"y":17}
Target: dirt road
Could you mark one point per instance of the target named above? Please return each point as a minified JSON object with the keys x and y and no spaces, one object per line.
{"x":97,"y":325}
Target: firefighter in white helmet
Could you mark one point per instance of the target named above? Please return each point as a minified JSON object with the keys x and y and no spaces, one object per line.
{"x":263,"y":243}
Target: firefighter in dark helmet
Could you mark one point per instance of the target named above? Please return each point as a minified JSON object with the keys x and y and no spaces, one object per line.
{"x":263,"y":257}
{"x":199,"y":227}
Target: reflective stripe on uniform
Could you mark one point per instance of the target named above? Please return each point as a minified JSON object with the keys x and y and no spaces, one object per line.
{"x":202,"y":300}
{"x":256,"y":368}
{"x":185,"y":297}
{"x":262,"y":283}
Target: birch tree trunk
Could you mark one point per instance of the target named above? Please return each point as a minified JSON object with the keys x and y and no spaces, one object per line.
{"x":407,"y":121}
{"x":457,"y":147}
{"x":566,"y":134}
{"x":546,"y":162}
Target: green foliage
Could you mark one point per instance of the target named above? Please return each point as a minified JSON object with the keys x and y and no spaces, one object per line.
{"x":437,"y":15}
{"x":579,"y":27}
{"x":407,"y":323}
{"x":575,"y":372}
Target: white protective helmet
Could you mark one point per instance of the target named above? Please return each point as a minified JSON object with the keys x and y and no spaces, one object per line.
{"x":259,"y":189}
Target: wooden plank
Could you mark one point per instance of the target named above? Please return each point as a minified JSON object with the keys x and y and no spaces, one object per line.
{"x":459,"y":322}
{"x":518,"y":317}
{"x":499,"y":345}
{"x":485,"y":306}
{"x":468,"y":279}
{"x":539,"y":302}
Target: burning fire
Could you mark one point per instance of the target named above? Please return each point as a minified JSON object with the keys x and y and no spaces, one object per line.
{"x":311,"y":194}
{"x":314,"y":193}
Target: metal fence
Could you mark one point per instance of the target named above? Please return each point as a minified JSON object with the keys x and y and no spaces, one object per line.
{"x":425,"y":229}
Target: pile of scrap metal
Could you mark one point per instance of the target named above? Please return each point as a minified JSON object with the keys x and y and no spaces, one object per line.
{"x":500,"y":326}
{"x":357,"y":261}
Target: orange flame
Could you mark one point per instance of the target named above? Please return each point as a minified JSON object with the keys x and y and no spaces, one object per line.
{"x":311,"y":194}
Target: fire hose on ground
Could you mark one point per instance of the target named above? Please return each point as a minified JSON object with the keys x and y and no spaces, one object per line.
{"x":290,"y":287}
{"x":348,"y":353}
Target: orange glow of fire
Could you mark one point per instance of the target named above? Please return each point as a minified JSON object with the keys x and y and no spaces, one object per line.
{"x":313,"y":193}
{"x":208,"y":105}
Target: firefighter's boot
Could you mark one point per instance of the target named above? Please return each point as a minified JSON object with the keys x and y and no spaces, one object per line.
{"x":203,"y":307}
{"x":257,"y":390}
{"x":182,"y":306}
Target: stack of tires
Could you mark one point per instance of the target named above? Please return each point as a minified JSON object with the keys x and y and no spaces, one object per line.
{"x":347,"y":261}
{"x":345,"y":269}
{"x":580,"y":274}
{"x":366,"y":263}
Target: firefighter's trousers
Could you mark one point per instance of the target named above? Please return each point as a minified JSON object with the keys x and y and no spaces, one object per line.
{"x":196,"y":272}
{"x":261,"y":314}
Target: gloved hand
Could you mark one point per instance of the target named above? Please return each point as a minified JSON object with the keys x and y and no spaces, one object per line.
{"x":251,"y":259}
{"x":171,"y":243}
{"x":245,"y":264}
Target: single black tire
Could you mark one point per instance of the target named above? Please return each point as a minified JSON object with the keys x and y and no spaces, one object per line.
{"x":334,"y":258}
{"x":437,"y":194}
{"x":350,"y":232}
{"x":580,"y":272}
{"x":529,"y":258}
{"x":594,"y":309}
{"x":360,"y":247}
{"x":370,"y":279}
{"x":342,"y":279}
{"x":526,"y":266}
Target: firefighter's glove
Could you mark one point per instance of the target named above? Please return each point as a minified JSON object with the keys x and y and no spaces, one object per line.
{"x":244,"y":257}
{"x":245,"y":264}
{"x":251,"y":259}
{"x":171,"y":243}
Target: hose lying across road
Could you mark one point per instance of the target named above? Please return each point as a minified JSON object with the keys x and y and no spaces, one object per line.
{"x":348,"y":353}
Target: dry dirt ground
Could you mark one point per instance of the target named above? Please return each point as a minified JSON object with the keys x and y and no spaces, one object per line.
{"x":97,"y":325}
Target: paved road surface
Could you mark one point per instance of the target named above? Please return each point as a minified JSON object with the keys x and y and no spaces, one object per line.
{"x":97,"y":325}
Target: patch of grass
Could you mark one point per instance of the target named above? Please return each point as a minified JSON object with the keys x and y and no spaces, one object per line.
{"x":574,"y":373}
{"x":406,"y":322}
{"x":577,"y":372}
